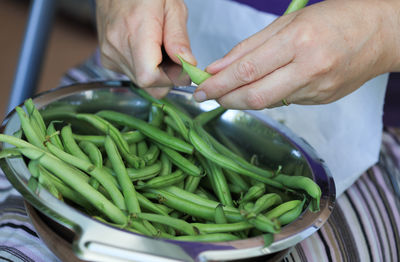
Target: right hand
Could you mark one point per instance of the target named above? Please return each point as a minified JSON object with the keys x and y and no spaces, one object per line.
{"x":131,"y":34}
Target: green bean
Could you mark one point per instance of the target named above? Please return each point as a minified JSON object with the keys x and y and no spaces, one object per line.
{"x":142,"y":148}
{"x":292,"y":214}
{"x":182,"y":129}
{"x":9,"y":153}
{"x":265,"y":202}
{"x":156,"y":115}
{"x":268,"y":239}
{"x":128,"y":189}
{"x":265,"y":224}
{"x":150,"y":206}
{"x":151,"y":155}
{"x":141,"y":92}
{"x":153,"y":231}
{"x":303,"y":183}
{"x":180,"y":161}
{"x":18,"y":133}
{"x":35,"y":116}
{"x":133,"y":148}
{"x":70,"y":145}
{"x":69,"y":193}
{"x":196,"y":199}
{"x":194,"y":209}
{"x":118,"y":226}
{"x":67,"y":174}
{"x":48,"y":183}
{"x":236,"y":180}
{"x":254,"y":192}
{"x":160,"y":227}
{"x":295,"y":5}
{"x":108,"y":129}
{"x":171,"y":125}
{"x":201,"y":192}
{"x":197,"y":75}
{"x":164,"y":181}
{"x":148,"y":130}
{"x":222,"y":228}
{"x":205,"y":117}
{"x":100,"y":174}
{"x":217,"y":237}
{"x":235,"y":189}
{"x":130,"y":137}
{"x":223,"y":161}
{"x":29,"y":132}
{"x":218,"y":181}
{"x":282,"y":208}
{"x":93,"y":152}
{"x":166,"y":165}
{"x":220,"y":217}
{"x":191,"y":183}
{"x":145,"y":172}
{"x":53,"y":136}
{"x":177,"y":224}
{"x":220,"y":148}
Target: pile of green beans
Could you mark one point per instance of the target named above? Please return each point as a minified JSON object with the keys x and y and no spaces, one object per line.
{"x":163,"y":177}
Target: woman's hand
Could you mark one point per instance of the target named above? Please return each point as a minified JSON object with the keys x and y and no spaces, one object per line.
{"x":313,"y":56}
{"x":131,"y":34}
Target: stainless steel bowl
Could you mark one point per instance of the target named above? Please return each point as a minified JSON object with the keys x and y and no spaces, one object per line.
{"x":252,"y":132}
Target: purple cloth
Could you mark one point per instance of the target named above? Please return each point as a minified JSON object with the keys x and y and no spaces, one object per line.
{"x":277,"y":7}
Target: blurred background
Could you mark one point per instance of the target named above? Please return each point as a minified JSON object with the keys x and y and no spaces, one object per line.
{"x":73,"y":39}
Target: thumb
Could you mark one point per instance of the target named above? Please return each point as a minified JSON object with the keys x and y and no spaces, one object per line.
{"x":175,"y":38}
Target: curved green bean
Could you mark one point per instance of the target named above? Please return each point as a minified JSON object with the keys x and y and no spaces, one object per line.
{"x":222,"y":228}
{"x":197,"y":75}
{"x":52,"y":135}
{"x":148,"y":130}
{"x":164,"y":181}
{"x":128,"y":189}
{"x":217,"y":237}
{"x":228,"y":163}
{"x":70,"y":145}
{"x":100,"y":174}
{"x":175,"y":223}
{"x":303,"y":183}
{"x":68,"y":174}
{"x":180,"y":161}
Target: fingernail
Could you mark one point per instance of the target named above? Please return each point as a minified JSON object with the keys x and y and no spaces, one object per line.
{"x":187,"y":55}
{"x":214,"y":66}
{"x":200,"y":96}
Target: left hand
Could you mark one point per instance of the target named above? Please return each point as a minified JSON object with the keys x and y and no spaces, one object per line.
{"x":316,"y":55}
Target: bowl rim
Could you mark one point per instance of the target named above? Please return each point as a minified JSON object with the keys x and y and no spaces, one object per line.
{"x":84,"y":227}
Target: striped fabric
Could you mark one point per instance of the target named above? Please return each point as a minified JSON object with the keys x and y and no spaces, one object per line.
{"x":364,"y":226}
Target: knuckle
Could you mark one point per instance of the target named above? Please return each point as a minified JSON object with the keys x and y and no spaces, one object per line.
{"x":246,"y":72}
{"x":256,"y":100}
{"x":145,"y":79}
{"x":326,"y":62}
{"x":305,"y":37}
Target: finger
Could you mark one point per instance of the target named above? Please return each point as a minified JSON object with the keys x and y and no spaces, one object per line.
{"x":265,"y":59}
{"x":249,"y":44}
{"x":157,"y":92}
{"x":145,"y":42}
{"x":266,"y":92}
{"x":175,"y":38}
